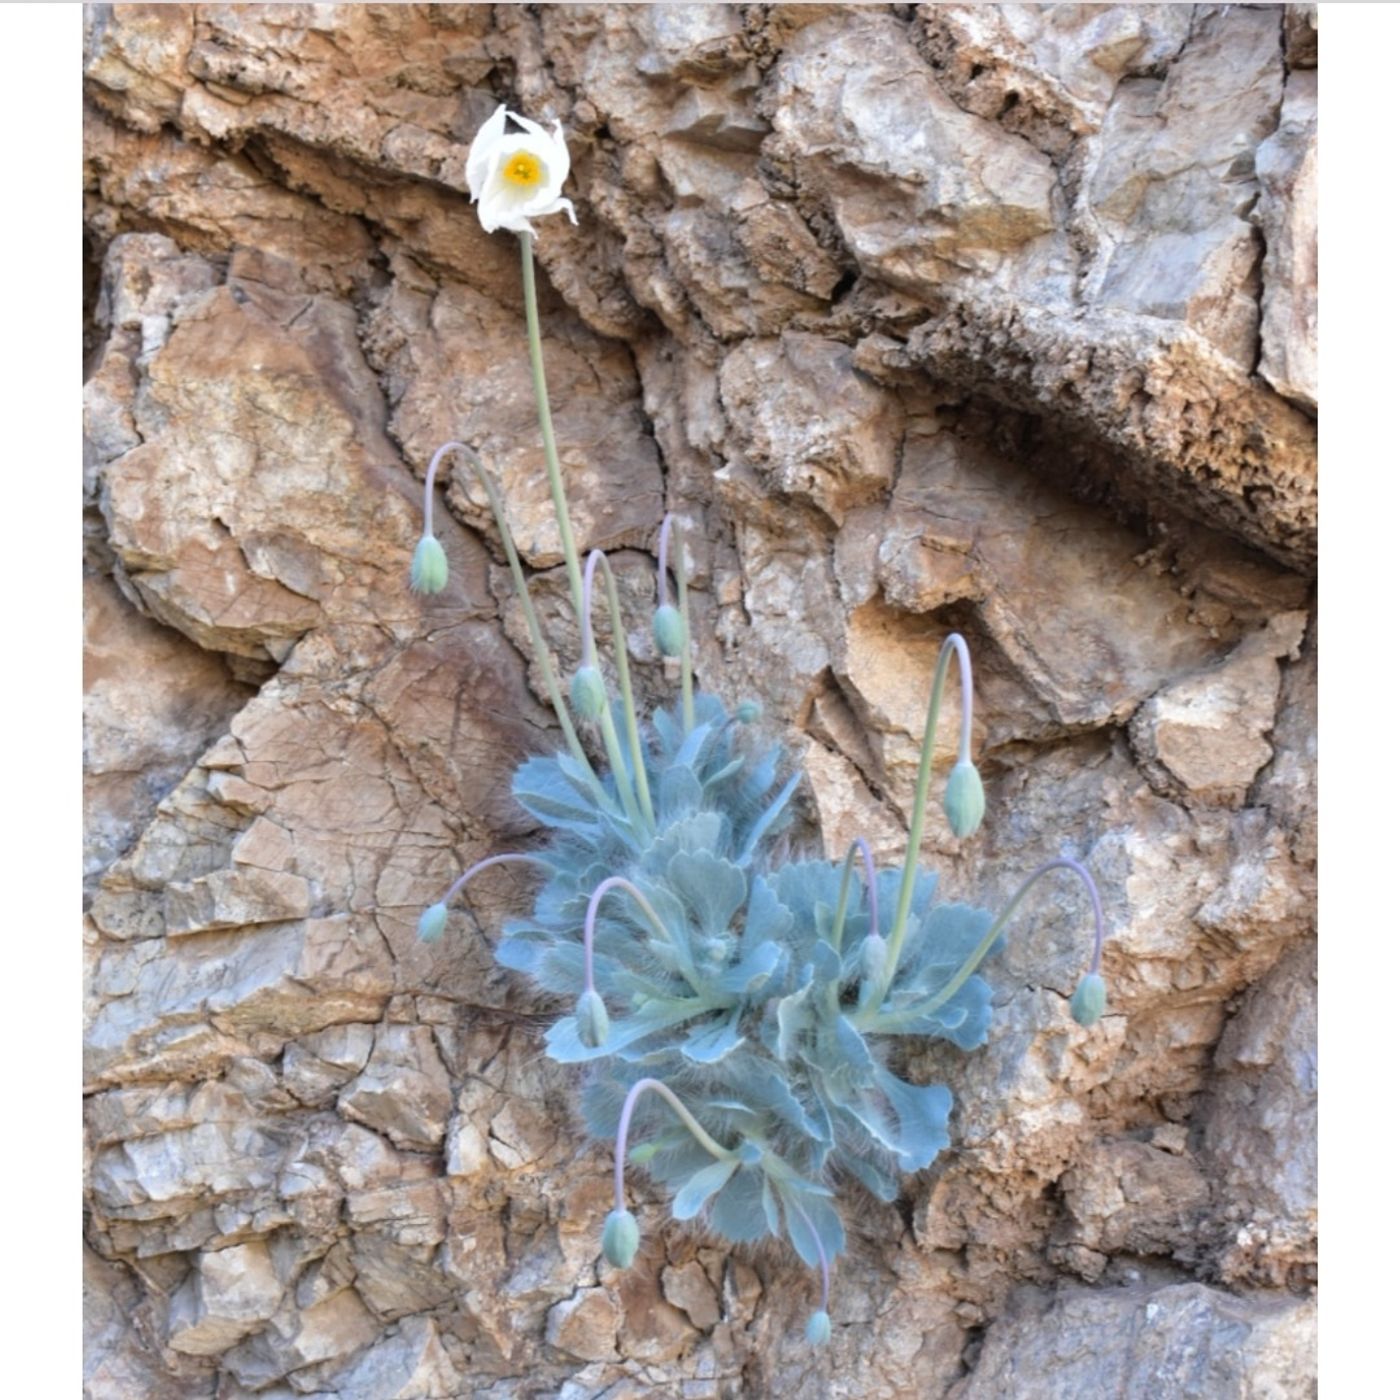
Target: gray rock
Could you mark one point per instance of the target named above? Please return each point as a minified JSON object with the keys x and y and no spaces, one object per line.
{"x":404,"y":1090}
{"x":1183,"y":1340}
{"x":230,"y":1293}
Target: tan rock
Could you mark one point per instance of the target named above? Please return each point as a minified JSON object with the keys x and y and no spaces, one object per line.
{"x":404,"y":1090}
{"x":934,"y":318}
{"x":1287,"y":217}
{"x":585,"y":1325}
{"x":1196,"y":1341}
{"x":1204,"y":736}
{"x":231,"y":1293}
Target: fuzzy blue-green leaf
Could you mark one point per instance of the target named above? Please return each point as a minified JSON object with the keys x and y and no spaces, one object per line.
{"x":711,"y":888}
{"x":690,"y":1199}
{"x":738,"y":1211}
{"x":708,"y":1044}
{"x":563,"y":1045}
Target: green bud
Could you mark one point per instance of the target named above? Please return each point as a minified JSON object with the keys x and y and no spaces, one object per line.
{"x":643,"y":1152}
{"x":872,"y":959}
{"x":819,"y":1328}
{"x":963,"y":799}
{"x":431,"y":922}
{"x":1089,"y":999}
{"x":669,"y":630}
{"x":621,"y":1236}
{"x":586,"y":692}
{"x":592,"y":1018}
{"x":428,"y":572}
{"x":749,"y":712}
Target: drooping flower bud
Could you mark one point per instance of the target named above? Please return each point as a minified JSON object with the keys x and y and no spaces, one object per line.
{"x":587,"y":693}
{"x":428,"y":572}
{"x":1089,"y":999}
{"x":668,"y":629}
{"x":963,"y":799}
{"x":749,"y":712}
{"x":621,"y":1236}
{"x":592,"y":1017}
{"x":819,"y":1328}
{"x":872,"y":959}
{"x":431,"y":922}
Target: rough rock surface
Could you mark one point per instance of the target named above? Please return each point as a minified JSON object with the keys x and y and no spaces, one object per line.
{"x":920,"y":316}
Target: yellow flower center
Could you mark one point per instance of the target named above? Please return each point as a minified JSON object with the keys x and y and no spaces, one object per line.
{"x":523,"y":169}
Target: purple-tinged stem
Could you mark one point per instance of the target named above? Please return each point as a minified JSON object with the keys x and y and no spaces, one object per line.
{"x":821,"y":1252}
{"x":614,"y":882}
{"x":481,"y":865}
{"x":720,"y":1154}
{"x":661,"y":551}
{"x":969,"y":966}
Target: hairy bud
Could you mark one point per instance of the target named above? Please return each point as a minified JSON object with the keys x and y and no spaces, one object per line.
{"x":963,"y":799}
{"x":587,"y":694}
{"x":1089,"y":999}
{"x":668,"y":629}
{"x":621,"y":1236}
{"x":431,"y":922}
{"x":592,"y":1016}
{"x":428,"y":572}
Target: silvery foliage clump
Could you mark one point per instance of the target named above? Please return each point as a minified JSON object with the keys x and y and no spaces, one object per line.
{"x":733,"y":1013}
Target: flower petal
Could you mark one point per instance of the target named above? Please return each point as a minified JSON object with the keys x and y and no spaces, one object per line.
{"x":483,"y":147}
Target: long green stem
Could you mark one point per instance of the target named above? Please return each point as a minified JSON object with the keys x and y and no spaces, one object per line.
{"x":838,"y":922}
{"x":954,"y":642}
{"x":683,"y":607}
{"x":551,"y":452}
{"x":720,"y":1154}
{"x":624,"y":679}
{"x":890,"y":1021}
{"x":532,"y":624}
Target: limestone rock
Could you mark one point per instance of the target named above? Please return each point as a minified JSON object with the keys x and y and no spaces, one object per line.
{"x":1259,"y":1133}
{"x":231,"y":1293}
{"x":1287,"y":217}
{"x":585,"y":1325}
{"x":997,"y":319}
{"x":1190,"y":1340}
{"x":1204,"y":736}
{"x":404,"y":1090}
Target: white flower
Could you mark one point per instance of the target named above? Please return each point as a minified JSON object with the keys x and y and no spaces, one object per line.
{"x":516,"y":176}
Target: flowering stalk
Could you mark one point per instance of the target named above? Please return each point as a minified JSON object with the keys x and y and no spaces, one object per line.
{"x":819,"y":1324}
{"x":954,"y":642}
{"x":434,"y":918}
{"x":624,"y":680}
{"x":617,"y":882}
{"x":838,"y":921}
{"x":890,"y":1021}
{"x":532,"y":624}
{"x":642,"y":1086}
{"x":672,"y":625}
{"x":551,"y":452}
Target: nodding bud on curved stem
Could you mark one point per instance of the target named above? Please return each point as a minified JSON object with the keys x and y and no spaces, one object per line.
{"x":1086,"y":1005}
{"x":613,"y":882}
{"x":838,"y":920}
{"x":666,"y":625}
{"x":620,"y":1232}
{"x":671,"y":626}
{"x":819,"y":1324}
{"x":434,"y":918}
{"x":964,"y":802}
{"x":428,"y":572}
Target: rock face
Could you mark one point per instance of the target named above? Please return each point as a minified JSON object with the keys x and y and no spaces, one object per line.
{"x":920,"y":317}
